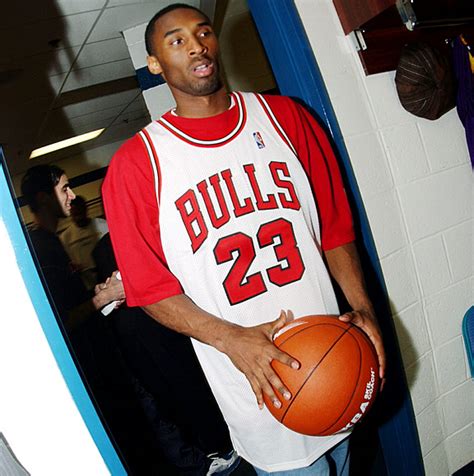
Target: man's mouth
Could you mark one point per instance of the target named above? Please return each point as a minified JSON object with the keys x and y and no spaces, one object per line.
{"x":204,"y":69}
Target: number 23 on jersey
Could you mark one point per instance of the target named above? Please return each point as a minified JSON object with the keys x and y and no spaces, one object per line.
{"x":241,"y":248}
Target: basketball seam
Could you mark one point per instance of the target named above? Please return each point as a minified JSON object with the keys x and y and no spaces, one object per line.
{"x":354,"y":389}
{"x":358,"y":333}
{"x":309,"y":327}
{"x":314,"y":368}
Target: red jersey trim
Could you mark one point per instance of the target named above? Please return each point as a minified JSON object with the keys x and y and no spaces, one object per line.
{"x":274,"y":122}
{"x":155,"y":164}
{"x":242,"y":119}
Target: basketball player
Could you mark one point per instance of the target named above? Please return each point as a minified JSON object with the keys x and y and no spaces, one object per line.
{"x":222,"y":213}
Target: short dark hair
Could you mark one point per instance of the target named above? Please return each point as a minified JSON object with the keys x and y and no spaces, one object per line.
{"x":40,"y":178}
{"x":150,"y":28}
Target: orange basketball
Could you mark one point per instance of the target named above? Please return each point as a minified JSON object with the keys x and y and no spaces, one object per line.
{"x":337,"y":380}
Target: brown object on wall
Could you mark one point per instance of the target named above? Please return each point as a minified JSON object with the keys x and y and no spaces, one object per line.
{"x":354,"y":13}
{"x":382,"y":34}
{"x":425,"y":81}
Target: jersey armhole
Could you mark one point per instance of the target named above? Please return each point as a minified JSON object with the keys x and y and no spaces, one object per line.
{"x":154,"y":162}
{"x":274,"y":121}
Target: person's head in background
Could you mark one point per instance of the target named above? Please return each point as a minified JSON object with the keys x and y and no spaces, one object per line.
{"x":79,"y":211}
{"x":48,"y":194}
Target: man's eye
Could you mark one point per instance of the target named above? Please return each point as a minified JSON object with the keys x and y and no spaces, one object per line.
{"x":178,"y":41}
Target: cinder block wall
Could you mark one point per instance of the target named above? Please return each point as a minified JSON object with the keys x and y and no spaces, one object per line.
{"x":416,"y":181}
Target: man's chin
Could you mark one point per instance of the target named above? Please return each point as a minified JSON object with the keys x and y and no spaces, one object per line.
{"x":206,"y":88}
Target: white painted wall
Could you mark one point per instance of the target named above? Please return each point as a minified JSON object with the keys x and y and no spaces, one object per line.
{"x":38,"y":416}
{"x":158,"y":99}
{"x":417,"y":186}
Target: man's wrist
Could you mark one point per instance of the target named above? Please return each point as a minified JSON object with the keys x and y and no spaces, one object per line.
{"x":363,"y":304}
{"x":100,"y":299}
{"x":224,"y":335}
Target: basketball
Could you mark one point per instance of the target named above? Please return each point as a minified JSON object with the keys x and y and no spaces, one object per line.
{"x":338,"y":377}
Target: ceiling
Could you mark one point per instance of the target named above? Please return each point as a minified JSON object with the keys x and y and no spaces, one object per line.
{"x":65,"y":70}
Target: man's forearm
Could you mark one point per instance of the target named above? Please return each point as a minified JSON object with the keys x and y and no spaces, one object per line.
{"x":250,"y":349}
{"x":182,"y":315}
{"x":344,"y":265}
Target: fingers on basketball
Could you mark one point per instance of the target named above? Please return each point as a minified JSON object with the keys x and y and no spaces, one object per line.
{"x":338,"y":378}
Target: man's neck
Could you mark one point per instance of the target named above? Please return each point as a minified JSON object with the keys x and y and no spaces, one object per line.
{"x":46,"y":221}
{"x":201,"y":106}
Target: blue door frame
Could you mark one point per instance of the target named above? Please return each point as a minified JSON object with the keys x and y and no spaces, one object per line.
{"x":297,"y":75}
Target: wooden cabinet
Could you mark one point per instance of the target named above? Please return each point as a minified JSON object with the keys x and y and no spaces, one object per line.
{"x":354,"y":13}
{"x":382,"y":26}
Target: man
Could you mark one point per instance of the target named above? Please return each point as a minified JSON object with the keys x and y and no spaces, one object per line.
{"x":80,"y":238}
{"x":48,"y":194}
{"x":229,"y":207}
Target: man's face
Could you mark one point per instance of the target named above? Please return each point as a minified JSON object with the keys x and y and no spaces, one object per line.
{"x":64,"y":195}
{"x":185,"y":51}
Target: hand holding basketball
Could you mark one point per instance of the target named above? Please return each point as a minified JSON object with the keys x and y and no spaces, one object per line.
{"x":252,"y":351}
{"x":338,"y":379}
{"x":366,"y":320}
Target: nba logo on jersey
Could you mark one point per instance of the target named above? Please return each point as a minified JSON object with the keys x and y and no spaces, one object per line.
{"x":258,"y":140}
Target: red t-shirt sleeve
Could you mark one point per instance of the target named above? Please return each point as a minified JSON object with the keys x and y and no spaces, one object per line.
{"x":318,"y":160}
{"x":132,"y":215}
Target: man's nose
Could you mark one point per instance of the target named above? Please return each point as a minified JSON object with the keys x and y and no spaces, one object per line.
{"x":72,"y":195}
{"x":196,"y":47}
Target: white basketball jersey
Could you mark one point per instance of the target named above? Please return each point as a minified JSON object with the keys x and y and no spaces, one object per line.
{"x":240,"y":230}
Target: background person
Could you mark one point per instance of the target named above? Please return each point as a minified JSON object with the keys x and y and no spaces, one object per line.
{"x":48,"y":194}
{"x":80,"y":238}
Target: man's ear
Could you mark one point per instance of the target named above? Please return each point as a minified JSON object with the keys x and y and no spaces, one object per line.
{"x":43,"y":199}
{"x":153,"y":65}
